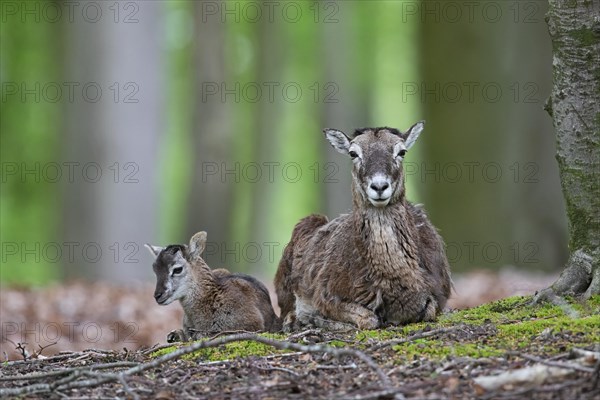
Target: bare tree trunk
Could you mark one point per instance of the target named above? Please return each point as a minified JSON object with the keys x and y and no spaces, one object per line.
{"x":349,"y":109}
{"x":210,"y":201}
{"x":575,"y":108}
{"x":270,"y":56}
{"x":111,"y":142}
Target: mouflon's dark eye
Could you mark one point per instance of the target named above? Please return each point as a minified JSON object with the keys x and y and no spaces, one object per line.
{"x":177,"y":271}
{"x":402,"y":153}
{"x":353,"y":154}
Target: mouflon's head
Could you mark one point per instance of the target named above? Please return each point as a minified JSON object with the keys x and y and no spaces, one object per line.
{"x":173,"y":268}
{"x":377,"y":154}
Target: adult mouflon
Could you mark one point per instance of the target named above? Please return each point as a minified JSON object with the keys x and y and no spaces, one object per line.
{"x":383,"y":263}
{"x":213,"y":301}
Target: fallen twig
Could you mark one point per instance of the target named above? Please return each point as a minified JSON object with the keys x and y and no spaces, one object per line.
{"x":41,"y":375}
{"x":157,"y":347}
{"x":59,"y":357}
{"x":558,"y":364}
{"x":98,"y":379}
{"x":303,"y":334}
{"x":528,"y":376}
{"x":416,"y":336}
{"x":19,"y":346}
{"x":42,"y":348}
{"x":272,"y":368}
{"x":393,"y":393}
{"x":350,"y":366}
{"x":588,"y":354}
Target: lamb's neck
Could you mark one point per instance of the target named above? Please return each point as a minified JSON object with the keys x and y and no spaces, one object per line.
{"x":202,"y":282}
{"x":386,"y":240}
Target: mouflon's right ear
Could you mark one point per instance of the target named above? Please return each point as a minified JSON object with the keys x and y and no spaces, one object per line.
{"x":338,"y":140}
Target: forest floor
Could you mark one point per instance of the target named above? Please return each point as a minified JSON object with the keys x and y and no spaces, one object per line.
{"x":80,"y":315}
{"x":507,"y":349}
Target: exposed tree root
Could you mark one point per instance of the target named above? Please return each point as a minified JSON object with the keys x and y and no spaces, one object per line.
{"x":581,"y":277}
{"x":594,"y":287}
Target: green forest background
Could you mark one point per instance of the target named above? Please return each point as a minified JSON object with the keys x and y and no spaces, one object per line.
{"x":210,"y":118}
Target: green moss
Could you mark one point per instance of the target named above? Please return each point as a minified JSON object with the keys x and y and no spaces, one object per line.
{"x":579,"y":218}
{"x":388,"y":334}
{"x":502,"y":311}
{"x":500,"y":326}
{"x":234,"y":350}
{"x":518,"y":326}
{"x":337,"y":343}
{"x":585,"y":36}
{"x":435,"y":349}
{"x":587,"y":326}
{"x":367,"y":336}
{"x":162,"y":352}
{"x":228,"y":351}
{"x":596,"y":75}
{"x":594,"y":303}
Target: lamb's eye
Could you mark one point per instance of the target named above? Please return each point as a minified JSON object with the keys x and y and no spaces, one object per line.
{"x":353,"y":154}
{"x":402,"y":153}
{"x":177,"y":270}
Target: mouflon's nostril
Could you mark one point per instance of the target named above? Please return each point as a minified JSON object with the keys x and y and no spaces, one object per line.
{"x":157,"y":295}
{"x":379,"y":187}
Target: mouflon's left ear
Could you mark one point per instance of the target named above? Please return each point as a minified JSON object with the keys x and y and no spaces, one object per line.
{"x":197,"y":245}
{"x":411,"y":135}
{"x":154,"y":250}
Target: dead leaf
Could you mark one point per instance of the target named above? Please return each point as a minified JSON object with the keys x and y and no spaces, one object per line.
{"x":452,"y":384}
{"x":164,"y":395}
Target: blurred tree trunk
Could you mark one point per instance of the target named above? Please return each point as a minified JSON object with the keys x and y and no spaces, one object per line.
{"x":111,"y":207}
{"x":495,"y":196}
{"x":211,"y":195}
{"x":30,"y":127}
{"x":347,"y":50}
{"x":575,"y":109}
{"x":270,"y":63}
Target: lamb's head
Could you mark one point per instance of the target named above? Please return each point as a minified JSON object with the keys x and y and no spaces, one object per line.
{"x":174,"y":266}
{"x":377,"y":154}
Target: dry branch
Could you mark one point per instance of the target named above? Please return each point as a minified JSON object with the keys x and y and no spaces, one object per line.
{"x":71,"y":381}
{"x":42,"y":375}
{"x":557,"y":364}
{"x":528,"y":376}
{"x":416,"y":336}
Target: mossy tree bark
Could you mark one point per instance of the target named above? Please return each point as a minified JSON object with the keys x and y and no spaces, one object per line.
{"x":574,"y":105}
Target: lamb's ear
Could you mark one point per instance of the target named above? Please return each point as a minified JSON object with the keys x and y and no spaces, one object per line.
{"x":154,"y":250}
{"x":411,"y":135}
{"x":338,"y":140}
{"x":197,"y":245}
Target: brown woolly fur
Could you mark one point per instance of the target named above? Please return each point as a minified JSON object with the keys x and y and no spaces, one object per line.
{"x":213,"y":301}
{"x":384,"y":263}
